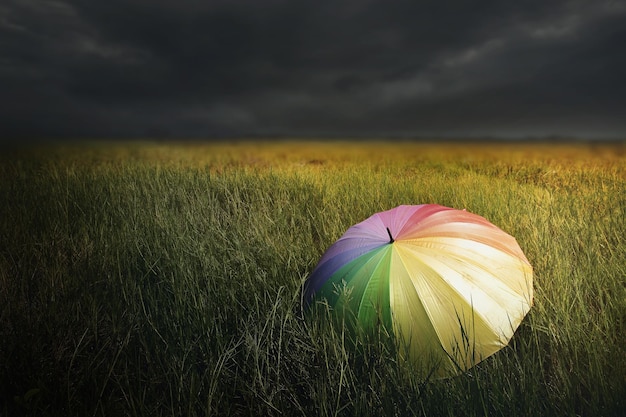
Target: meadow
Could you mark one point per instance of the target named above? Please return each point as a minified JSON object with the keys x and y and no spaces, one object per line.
{"x":162,"y":279}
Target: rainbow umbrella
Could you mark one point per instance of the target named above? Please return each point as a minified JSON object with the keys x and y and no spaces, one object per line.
{"x":450,"y":286}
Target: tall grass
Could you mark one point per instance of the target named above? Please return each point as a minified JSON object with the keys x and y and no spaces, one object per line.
{"x":162,"y":279}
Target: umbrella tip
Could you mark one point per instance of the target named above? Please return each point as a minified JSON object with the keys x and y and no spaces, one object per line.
{"x":390,"y":237}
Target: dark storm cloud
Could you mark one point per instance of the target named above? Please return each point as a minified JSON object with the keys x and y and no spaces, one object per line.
{"x":354,"y":68}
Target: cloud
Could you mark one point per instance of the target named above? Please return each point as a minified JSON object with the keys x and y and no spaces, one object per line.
{"x":138,"y":67}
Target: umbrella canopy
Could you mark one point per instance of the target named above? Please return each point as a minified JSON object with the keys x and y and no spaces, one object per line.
{"x":451,"y":286}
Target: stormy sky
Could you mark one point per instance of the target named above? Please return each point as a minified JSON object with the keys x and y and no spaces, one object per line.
{"x":366,"y":68}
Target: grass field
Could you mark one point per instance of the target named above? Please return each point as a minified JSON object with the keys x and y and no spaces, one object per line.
{"x":154,"y":279}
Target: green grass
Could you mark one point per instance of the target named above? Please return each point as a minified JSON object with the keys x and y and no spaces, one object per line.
{"x":162,"y":279}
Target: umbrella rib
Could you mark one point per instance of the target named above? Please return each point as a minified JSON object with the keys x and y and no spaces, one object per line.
{"x":456,"y":291}
{"x":476,"y":313}
{"x":374,"y":267}
{"x":430,"y":322}
{"x":505,"y":287}
{"x":477,"y":319}
{"x":378,"y":262}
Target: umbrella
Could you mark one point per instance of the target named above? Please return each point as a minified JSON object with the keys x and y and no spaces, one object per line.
{"x":449,"y":285}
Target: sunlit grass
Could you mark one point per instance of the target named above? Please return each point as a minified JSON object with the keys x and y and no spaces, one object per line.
{"x":165,"y":279}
